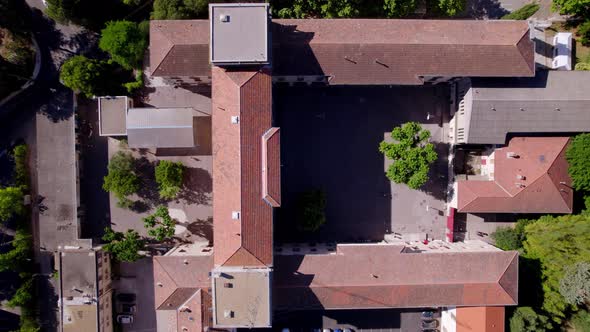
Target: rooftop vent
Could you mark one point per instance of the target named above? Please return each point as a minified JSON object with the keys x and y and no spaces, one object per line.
{"x":235,"y":119}
{"x":520,"y":177}
{"x":228,"y":285}
{"x":160,"y":284}
{"x":224,"y":18}
{"x":235,"y":215}
{"x":519,"y":185}
{"x":185,"y":262}
{"x":228,"y":314}
{"x":512,"y":155}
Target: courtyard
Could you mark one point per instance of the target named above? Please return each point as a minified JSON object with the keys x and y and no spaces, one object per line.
{"x":329,"y":141}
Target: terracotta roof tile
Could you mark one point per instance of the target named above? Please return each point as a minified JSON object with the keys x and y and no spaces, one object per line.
{"x":179,"y":48}
{"x":372,"y":276}
{"x":237,"y":166}
{"x":542,"y":163}
{"x":480,"y":319}
{"x":368,"y":51}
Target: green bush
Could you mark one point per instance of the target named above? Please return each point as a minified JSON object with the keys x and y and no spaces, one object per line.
{"x":21,"y":172}
{"x":582,"y":66}
{"x":160,"y":225}
{"x":124,"y":247}
{"x":522,"y":13}
{"x":11,"y":202}
{"x":23,"y":295}
{"x":584,"y":33}
{"x":581,"y":321}
{"x":135,"y":85}
{"x":311,"y":210}
{"x":179,"y":9}
{"x":121,"y":179}
{"x":525,"y":319}
{"x":83,"y":75}
{"x":411,"y":153}
{"x":578,"y":158}
{"x":169,"y":178}
{"x":506,"y":238}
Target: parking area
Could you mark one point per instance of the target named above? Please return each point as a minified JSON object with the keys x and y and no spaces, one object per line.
{"x":375,"y":320}
{"x":329,"y":140}
{"x":137,"y":278}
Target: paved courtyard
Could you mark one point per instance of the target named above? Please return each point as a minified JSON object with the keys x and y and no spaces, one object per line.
{"x":329,"y":140}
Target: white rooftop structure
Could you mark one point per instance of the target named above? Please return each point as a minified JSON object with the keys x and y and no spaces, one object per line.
{"x":562,"y":51}
{"x":160,"y":127}
{"x":239,"y":33}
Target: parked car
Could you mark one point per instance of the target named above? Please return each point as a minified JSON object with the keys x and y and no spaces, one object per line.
{"x":347,"y":330}
{"x":327,"y":330}
{"x":125,"y":319}
{"x":338,"y":330}
{"x":429,"y":324}
{"x":128,"y":308}
{"x":126,"y":297}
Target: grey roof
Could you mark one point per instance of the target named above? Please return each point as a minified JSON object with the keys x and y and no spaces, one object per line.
{"x":160,"y":127}
{"x":551,"y":102}
{"x":243,"y":37}
{"x":111,"y":115}
{"x":78,"y":273}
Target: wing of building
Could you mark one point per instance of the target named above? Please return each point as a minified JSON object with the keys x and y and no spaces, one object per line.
{"x":552,"y":102}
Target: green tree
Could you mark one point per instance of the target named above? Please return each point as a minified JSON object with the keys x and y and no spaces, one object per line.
{"x":23,"y":295}
{"x":578,"y":157}
{"x":131,"y":2}
{"x":83,"y":75}
{"x":572,"y":7}
{"x":581,"y":321}
{"x":311,"y":210}
{"x":321,"y":9}
{"x":411,"y":153}
{"x":11,"y":202}
{"x":62,"y":11}
{"x":160,"y":225}
{"x":21,"y":172}
{"x":399,"y":8}
{"x":574,"y":286}
{"x":506,"y":238}
{"x":584,"y":33}
{"x":125,"y":42}
{"x":525,"y":319}
{"x":19,"y":257}
{"x":451,"y":7}
{"x":522,"y":13}
{"x":169,"y":178}
{"x":124,"y":247}
{"x":121,"y":179}
{"x":179,"y":9}
{"x":557,"y":242}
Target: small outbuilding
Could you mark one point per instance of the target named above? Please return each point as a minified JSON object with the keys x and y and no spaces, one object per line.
{"x":160,"y":128}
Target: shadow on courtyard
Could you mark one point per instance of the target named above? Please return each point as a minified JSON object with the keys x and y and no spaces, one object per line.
{"x":329,"y":140}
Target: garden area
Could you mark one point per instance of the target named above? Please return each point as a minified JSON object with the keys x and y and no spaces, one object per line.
{"x":155,"y":201}
{"x":554,"y":283}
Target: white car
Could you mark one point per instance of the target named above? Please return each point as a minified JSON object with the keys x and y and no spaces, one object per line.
{"x":125,"y":319}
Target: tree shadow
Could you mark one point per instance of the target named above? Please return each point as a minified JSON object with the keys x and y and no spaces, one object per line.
{"x":485,"y":9}
{"x":437,"y":185}
{"x":51,"y":36}
{"x":60,"y":107}
{"x":530,"y":289}
{"x":197,"y":186}
{"x":202,"y":228}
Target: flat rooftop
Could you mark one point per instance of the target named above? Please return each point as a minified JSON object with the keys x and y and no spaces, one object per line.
{"x":161,"y":127}
{"x":112,"y":112}
{"x":239,"y":33}
{"x":241,"y":297}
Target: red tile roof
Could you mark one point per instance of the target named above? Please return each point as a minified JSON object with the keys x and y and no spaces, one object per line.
{"x":376,"y":276}
{"x":546,"y":187}
{"x":180,"y":283}
{"x":369,"y":51}
{"x":480,"y":319}
{"x":179,"y":48}
{"x":237,"y":166}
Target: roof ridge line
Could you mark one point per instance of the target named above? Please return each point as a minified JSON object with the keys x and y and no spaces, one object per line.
{"x":165,"y":56}
{"x":514,"y":255}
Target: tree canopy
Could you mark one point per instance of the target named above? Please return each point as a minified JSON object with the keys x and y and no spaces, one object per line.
{"x":124,"y":247}
{"x":169,"y":178}
{"x":411,"y":153}
{"x":160,"y":225}
{"x":557,"y":242}
{"x":179,"y":9}
{"x":451,"y":7}
{"x":571,"y":7}
{"x":578,"y":157}
{"x":83,"y":75}
{"x":525,"y":319}
{"x":325,"y":9}
{"x":121,"y":178}
{"x":574,"y":286}
{"x":11,"y":202}
{"x":399,"y":8}
{"x":311,"y":210}
{"x":125,"y":42}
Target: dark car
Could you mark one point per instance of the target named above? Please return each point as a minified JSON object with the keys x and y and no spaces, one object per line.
{"x":429,"y":324}
{"x":126,"y":297}
{"x":427,"y":315}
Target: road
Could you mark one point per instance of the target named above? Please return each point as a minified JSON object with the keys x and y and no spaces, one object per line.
{"x":42,"y":115}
